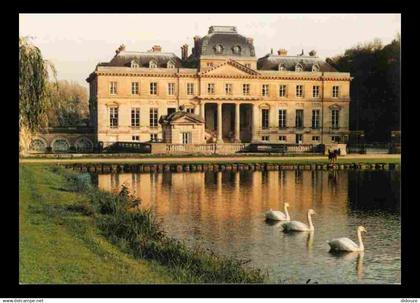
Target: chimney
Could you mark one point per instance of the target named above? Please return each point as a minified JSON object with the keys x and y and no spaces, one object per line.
{"x":250,"y":40}
{"x":184,"y":52}
{"x":156,"y":49}
{"x":312,"y":53}
{"x":196,"y":43}
{"x":282,"y":52}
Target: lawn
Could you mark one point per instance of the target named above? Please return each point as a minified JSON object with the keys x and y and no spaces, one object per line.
{"x":60,"y":246}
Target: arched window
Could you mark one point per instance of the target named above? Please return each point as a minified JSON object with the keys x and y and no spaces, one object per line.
{"x":281,"y":67}
{"x":298,"y":68}
{"x":83,"y":145}
{"x":218,"y":49}
{"x":60,"y":145}
{"x":152,"y":64}
{"x":38,"y":145}
{"x":315,"y":68}
{"x":236,"y":50}
{"x":134,"y":64}
{"x":170,"y":64}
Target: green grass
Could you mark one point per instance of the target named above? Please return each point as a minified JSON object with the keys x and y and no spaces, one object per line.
{"x":61,"y":246}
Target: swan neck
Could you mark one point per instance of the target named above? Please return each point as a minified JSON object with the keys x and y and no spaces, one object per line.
{"x":287,"y":213}
{"x":311,"y":226}
{"x":359,"y":236}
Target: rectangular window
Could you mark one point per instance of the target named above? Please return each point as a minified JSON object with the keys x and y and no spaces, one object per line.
{"x":282,"y":118}
{"x":190,"y":88}
{"x":335,"y":91}
{"x":315,"y":138}
{"x":248,"y":65}
{"x":334,"y":118}
{"x":315,"y":91}
{"x":335,"y":139}
{"x":299,"y":118}
{"x":135,"y":117}
{"x":135,"y":138}
{"x":228,"y":89}
{"x":264,"y":90}
{"x":190,"y":110}
{"x":299,"y":138}
{"x":209,"y":64}
{"x":153,"y":117}
{"x":171,"y":89}
{"x":282,"y":138}
{"x":282,"y":91}
{"x":210,"y":88}
{"x":264,"y":118}
{"x":153,"y":88}
{"x":265,"y":138}
{"x":171,"y":110}
{"x":113,"y":117}
{"x":153,"y":137}
{"x":186,"y":138}
{"x":299,"y":90}
{"x":134,"y":88}
{"x":315,"y":118}
{"x":245,"y":89}
{"x":113,"y":88}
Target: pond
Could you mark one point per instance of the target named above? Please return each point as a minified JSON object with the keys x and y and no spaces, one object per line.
{"x":225,"y":211}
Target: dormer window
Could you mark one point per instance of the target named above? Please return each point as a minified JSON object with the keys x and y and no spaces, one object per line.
{"x":236,"y":50}
{"x":315,"y":68}
{"x":218,"y":49}
{"x":170,"y":64}
{"x":134,"y":64}
{"x":282,"y":67}
{"x":152,"y":64}
{"x":298,"y":68}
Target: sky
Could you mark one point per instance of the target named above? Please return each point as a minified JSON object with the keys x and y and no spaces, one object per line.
{"x":75,"y":43}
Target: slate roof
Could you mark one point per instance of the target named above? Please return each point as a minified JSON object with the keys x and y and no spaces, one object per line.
{"x":271,"y":62}
{"x":124,"y":58}
{"x":179,"y":114}
{"x":227,"y":37}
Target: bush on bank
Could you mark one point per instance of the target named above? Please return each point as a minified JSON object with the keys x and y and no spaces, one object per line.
{"x":136,"y":231}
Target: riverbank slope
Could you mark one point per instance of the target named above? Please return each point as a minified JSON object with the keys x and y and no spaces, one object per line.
{"x":60,"y":246}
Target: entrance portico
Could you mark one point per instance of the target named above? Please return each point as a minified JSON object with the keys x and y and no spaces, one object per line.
{"x":229,"y":122}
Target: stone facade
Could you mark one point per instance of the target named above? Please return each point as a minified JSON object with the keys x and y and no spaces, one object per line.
{"x":274,"y":99}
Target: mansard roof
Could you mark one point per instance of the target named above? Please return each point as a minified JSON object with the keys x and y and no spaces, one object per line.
{"x":124,"y":59}
{"x":223,"y":41}
{"x":272,"y":62}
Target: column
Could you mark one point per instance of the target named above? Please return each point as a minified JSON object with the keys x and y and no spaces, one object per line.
{"x":202,"y":113}
{"x":254,"y":123}
{"x":237,"y":123}
{"x":219,"y":123}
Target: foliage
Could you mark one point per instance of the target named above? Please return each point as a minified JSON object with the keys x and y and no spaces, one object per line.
{"x":34,"y":100}
{"x":375,"y":89}
{"x":70,"y":104}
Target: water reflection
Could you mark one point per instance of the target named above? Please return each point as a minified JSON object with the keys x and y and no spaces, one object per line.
{"x":225,"y":211}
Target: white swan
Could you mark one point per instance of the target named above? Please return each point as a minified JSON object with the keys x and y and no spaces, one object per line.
{"x":299,"y":226}
{"x":277,"y":215}
{"x":345,"y":244}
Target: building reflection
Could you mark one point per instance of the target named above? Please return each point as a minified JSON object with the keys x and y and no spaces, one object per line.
{"x":219,"y":199}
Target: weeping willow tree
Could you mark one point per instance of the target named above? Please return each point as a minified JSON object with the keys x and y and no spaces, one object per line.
{"x":34,"y":91}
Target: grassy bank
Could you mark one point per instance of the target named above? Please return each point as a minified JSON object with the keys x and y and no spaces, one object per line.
{"x":295,"y":160}
{"x":72,"y":233}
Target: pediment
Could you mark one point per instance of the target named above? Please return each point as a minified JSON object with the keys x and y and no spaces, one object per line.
{"x":335,"y":106}
{"x":186,"y":120}
{"x":230,"y":68}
